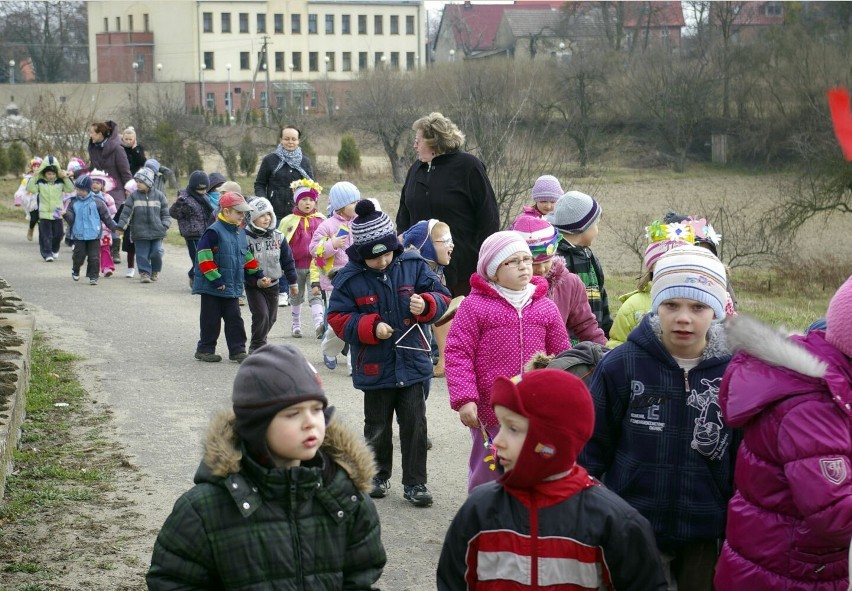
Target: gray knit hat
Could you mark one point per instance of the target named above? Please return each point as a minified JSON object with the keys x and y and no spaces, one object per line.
{"x":268,"y":381}
{"x":575,"y":212}
{"x":373,"y":233}
{"x":145,"y":175}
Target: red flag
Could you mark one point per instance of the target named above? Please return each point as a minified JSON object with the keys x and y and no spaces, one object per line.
{"x":841,"y":116}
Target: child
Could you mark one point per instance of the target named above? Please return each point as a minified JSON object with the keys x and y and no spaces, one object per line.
{"x":576,"y":217}
{"x":545,"y":193}
{"x":98,"y":185}
{"x":130,"y":187}
{"x":274,"y":258}
{"x":148,"y":212}
{"x":224,"y":264}
{"x":48,"y":184}
{"x":239,"y":527}
{"x":660,"y":440}
{"x":564,"y":288}
{"x":328,"y":245}
{"x":85,"y":215}
{"x":193,"y":213}
{"x":29,"y":201}
{"x":791,"y":396}
{"x":379,"y":300}
{"x":505,"y":320}
{"x":547,"y":523}
{"x":299,"y":228}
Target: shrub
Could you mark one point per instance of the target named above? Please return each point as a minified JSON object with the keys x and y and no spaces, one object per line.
{"x":192,"y":158}
{"x":4,"y":161}
{"x":248,"y":155}
{"x":230,"y":158}
{"x":349,"y":158}
{"x":308,"y":149}
{"x":17,"y":158}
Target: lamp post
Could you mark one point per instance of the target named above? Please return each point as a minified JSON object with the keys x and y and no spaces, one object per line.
{"x":561,"y":50}
{"x":11,"y":71}
{"x":230,"y":100}
{"x":203,"y":95}
{"x":452,"y":55}
{"x":159,"y":70}
{"x":327,"y":88}
{"x":135,"y":67}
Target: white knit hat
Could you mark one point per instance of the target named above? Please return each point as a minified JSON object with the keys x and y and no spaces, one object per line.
{"x":497,"y":248}
{"x":693,"y":273}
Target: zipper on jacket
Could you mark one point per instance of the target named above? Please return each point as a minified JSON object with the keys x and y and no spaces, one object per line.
{"x":521,"y":339}
{"x":533,"y":541}
{"x":686,"y":380}
{"x":297,"y":545}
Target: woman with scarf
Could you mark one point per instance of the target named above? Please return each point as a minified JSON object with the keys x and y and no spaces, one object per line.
{"x":280,"y":168}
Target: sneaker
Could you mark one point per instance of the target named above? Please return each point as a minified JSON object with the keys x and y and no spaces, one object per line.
{"x":116,"y":260}
{"x":107,"y":273}
{"x":238,"y":357}
{"x":93,"y":281}
{"x":330,"y":362}
{"x":155,"y":276}
{"x":242,"y":301}
{"x":55,"y":256}
{"x":320,"y":331}
{"x":48,"y":259}
{"x":131,"y":273}
{"x":380,"y":488}
{"x":283,"y":299}
{"x":418,"y":495}
{"x":75,"y":276}
{"x":144,"y":278}
{"x":30,"y":234}
{"x":296,"y":333}
{"x":209,"y":357}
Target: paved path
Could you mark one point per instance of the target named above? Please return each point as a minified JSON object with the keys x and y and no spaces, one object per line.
{"x":138,"y":343}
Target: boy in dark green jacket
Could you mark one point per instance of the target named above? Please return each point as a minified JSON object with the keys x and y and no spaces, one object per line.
{"x":280,"y":499}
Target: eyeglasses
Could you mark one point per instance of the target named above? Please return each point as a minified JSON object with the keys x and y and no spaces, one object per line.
{"x":448,"y":242}
{"x":515,"y":263}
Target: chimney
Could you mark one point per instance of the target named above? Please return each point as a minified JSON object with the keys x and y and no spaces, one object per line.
{"x":467,"y":5}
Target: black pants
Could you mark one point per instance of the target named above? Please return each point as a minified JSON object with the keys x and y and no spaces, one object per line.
{"x":263,"y":303}
{"x":84,"y":249}
{"x":410,"y":407}
{"x":693,"y":565}
{"x":50,"y":234}
{"x":213,"y":311}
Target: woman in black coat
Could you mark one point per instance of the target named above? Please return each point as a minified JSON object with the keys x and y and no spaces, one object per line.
{"x":135,"y":152}
{"x":280,"y":168}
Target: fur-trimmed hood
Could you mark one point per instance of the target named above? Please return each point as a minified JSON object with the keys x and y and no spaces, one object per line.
{"x":223,"y":451}
{"x":557,"y":275}
{"x":770,"y":366}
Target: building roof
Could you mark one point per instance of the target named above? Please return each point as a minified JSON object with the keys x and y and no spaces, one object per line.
{"x":475,"y":26}
{"x":526,"y":23}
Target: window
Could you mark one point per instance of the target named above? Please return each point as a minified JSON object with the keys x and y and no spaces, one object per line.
{"x":346,"y":62}
{"x":130,"y":22}
{"x":345,"y":26}
{"x":106,"y":25}
{"x":226,"y":22}
{"x":314,"y":101}
{"x":279,"y":62}
{"x":146,"y":23}
{"x":409,"y":25}
{"x":409,"y":60}
{"x":313,"y":61}
{"x":297,"y":61}
{"x":261,"y":23}
{"x":377,"y":59}
{"x":244,"y":22}
{"x":209,"y":64}
{"x":211,"y":101}
{"x":329,"y":24}
{"x":394,"y":25}
{"x":362,"y":24}
{"x":329,"y":61}
{"x":278,"y":22}
{"x":312,"y":24}
{"x":244,"y":61}
{"x":295,"y":23}
{"x":774,"y":9}
{"x":395,"y":60}
{"x":362,"y":60}
{"x":118,"y":23}
{"x":207,"y":22}
{"x":377,"y":24}
{"x":263,"y":104}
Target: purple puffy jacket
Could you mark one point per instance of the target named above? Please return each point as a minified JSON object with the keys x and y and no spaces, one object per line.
{"x":790,"y":520}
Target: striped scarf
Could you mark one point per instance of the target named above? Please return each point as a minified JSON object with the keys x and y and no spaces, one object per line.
{"x":293,"y":160}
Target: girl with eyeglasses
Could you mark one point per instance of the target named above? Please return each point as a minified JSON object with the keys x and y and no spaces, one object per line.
{"x":506,"y":319}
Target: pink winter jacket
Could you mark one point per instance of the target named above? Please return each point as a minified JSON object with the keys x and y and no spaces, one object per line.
{"x":488,"y":339}
{"x":320,"y":245}
{"x":528,"y":211}
{"x":569,"y":294}
{"x":790,"y":520}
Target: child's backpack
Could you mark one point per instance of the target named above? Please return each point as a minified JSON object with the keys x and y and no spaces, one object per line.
{"x":579,"y":361}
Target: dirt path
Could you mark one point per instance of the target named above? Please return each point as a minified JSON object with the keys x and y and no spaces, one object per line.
{"x":138,"y":341}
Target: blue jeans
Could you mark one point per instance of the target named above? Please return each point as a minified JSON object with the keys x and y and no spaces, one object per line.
{"x":149,"y":256}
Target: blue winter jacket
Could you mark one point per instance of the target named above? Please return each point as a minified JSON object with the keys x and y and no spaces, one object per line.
{"x":230,"y":259}
{"x":363,"y":297}
{"x":660,"y":441}
{"x":84,"y":216}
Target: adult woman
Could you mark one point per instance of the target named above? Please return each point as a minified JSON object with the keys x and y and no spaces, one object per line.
{"x":448,"y":184}
{"x":280,"y":168}
{"x":135,"y":152}
{"x":106,"y":154}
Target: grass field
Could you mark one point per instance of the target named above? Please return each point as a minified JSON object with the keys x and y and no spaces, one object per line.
{"x":791,"y":291}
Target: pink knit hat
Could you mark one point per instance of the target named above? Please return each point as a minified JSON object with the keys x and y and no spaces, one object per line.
{"x":657,"y":249}
{"x":497,"y":248}
{"x":838,"y":331}
{"x":541,"y":237}
{"x":546,"y":188}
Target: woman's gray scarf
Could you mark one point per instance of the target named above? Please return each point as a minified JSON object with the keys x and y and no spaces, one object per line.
{"x":293,"y":160}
